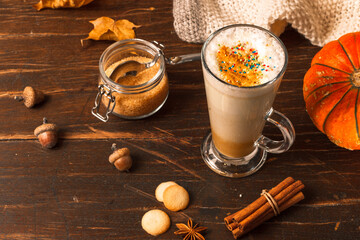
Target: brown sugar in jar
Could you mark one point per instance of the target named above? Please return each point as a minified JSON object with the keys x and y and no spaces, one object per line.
{"x":131,"y":97}
{"x":140,"y":104}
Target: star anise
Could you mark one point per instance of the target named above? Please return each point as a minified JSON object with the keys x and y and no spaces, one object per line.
{"x":190,"y":231}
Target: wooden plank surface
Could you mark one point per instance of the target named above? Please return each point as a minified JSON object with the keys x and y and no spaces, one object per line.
{"x":72,"y":192}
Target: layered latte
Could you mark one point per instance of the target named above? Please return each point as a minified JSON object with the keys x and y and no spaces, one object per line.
{"x":240,"y":67}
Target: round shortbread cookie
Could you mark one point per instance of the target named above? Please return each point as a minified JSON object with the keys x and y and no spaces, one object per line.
{"x":155,"y":222}
{"x":176,"y":198}
{"x":159,"y":192}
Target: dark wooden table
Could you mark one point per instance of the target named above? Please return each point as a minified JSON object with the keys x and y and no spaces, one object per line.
{"x":72,"y":192}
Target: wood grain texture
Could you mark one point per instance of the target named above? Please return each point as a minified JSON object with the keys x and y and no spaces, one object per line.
{"x":72,"y":192}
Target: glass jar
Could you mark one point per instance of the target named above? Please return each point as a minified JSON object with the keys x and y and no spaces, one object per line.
{"x":131,"y":97}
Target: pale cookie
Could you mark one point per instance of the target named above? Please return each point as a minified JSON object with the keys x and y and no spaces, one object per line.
{"x":159,"y":192}
{"x":155,"y":222}
{"x":176,"y":198}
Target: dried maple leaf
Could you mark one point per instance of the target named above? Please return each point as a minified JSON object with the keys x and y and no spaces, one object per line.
{"x":107,"y":29}
{"x":61,"y":4}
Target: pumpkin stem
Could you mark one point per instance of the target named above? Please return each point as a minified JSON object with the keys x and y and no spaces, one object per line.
{"x":355,"y":78}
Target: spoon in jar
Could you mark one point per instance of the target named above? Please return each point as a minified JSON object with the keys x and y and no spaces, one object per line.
{"x":131,"y":68}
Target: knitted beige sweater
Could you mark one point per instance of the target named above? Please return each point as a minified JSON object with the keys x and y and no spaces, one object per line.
{"x":320,"y":21}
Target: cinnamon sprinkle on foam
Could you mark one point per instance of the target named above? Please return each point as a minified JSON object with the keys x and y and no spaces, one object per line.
{"x":240,"y":66}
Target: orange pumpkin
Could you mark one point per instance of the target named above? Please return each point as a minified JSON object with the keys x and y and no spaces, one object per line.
{"x":331,"y":91}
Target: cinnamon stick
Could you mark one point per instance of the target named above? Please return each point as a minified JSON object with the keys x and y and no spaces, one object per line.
{"x":229,"y":219}
{"x":244,"y":213}
{"x":295,"y":199}
{"x":232,"y":226}
{"x":286,"y":199}
{"x":280,"y":199}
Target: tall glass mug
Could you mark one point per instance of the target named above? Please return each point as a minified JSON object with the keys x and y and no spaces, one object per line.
{"x":243,"y":66}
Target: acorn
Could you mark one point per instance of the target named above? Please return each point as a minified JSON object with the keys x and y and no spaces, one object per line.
{"x":47,"y":134}
{"x":120,"y":158}
{"x":31,"y":97}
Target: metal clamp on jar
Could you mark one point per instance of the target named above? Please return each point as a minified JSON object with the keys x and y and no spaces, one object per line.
{"x":133,"y":83}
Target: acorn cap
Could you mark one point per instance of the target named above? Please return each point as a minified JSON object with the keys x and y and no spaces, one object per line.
{"x":32,"y":96}
{"x":44,"y":128}
{"x":118,"y":153}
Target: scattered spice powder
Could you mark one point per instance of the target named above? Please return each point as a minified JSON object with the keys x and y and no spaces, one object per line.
{"x":240,"y":65}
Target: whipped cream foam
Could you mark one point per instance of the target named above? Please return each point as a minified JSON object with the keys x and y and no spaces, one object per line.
{"x":268,"y":50}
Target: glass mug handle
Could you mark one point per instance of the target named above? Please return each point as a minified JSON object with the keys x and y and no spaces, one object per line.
{"x":286,"y":128}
